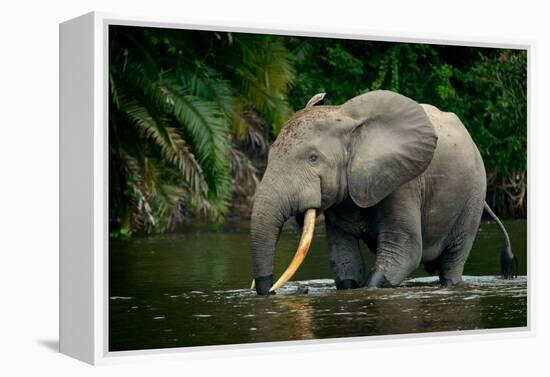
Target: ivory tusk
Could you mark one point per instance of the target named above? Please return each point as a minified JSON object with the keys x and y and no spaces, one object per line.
{"x":253,"y":285}
{"x":301,"y":252}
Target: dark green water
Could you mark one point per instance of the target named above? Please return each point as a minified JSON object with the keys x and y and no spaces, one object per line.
{"x":191,"y":290}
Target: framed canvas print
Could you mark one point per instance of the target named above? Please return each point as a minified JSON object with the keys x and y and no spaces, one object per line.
{"x":224,"y":187}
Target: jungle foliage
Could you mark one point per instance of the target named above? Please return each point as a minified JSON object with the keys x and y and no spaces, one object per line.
{"x":485,"y":87}
{"x":182,"y":103}
{"x":192,"y":114}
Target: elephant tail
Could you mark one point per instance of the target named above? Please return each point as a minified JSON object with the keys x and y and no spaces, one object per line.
{"x":508,"y":261}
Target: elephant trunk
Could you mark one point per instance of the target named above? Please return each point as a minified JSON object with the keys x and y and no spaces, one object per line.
{"x":268,"y":218}
{"x":269,"y":214}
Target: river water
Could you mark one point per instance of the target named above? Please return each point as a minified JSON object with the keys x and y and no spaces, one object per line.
{"x":192,"y":289}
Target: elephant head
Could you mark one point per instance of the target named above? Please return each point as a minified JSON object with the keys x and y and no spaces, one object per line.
{"x":364,"y":149}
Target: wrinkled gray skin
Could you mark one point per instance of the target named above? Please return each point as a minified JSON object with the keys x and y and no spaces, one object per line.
{"x":405,"y":178}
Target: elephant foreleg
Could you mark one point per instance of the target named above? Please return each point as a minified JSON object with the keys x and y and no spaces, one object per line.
{"x":346,"y":261}
{"x":399,"y":238}
{"x":398,"y":255}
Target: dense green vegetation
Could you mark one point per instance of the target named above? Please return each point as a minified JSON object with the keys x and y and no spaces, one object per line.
{"x":181,"y":103}
{"x":192,"y":114}
{"x":486,"y":88}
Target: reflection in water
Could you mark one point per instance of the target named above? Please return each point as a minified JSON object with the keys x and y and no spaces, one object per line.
{"x":289,"y":318}
{"x":186,"y":290}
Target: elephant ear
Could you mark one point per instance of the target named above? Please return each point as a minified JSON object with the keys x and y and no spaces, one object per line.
{"x":393,"y":141}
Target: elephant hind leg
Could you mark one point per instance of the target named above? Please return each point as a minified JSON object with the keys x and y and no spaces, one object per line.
{"x":460,"y":241}
{"x":452,"y":260}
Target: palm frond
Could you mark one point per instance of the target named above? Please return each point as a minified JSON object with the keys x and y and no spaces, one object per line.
{"x":169,"y":202}
{"x":207,"y":83}
{"x":175,"y":116}
{"x":264,"y":76}
{"x":172,"y":145}
{"x":245,"y":182}
{"x":140,"y":213}
{"x":207,"y":129}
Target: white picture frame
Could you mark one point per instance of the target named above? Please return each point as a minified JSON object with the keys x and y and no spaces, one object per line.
{"x":84,"y":190}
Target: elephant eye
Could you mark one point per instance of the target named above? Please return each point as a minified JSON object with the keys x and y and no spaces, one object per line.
{"x":313,"y":157}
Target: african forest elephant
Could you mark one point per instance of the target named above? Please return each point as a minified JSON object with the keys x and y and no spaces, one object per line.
{"x":405,"y":178}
